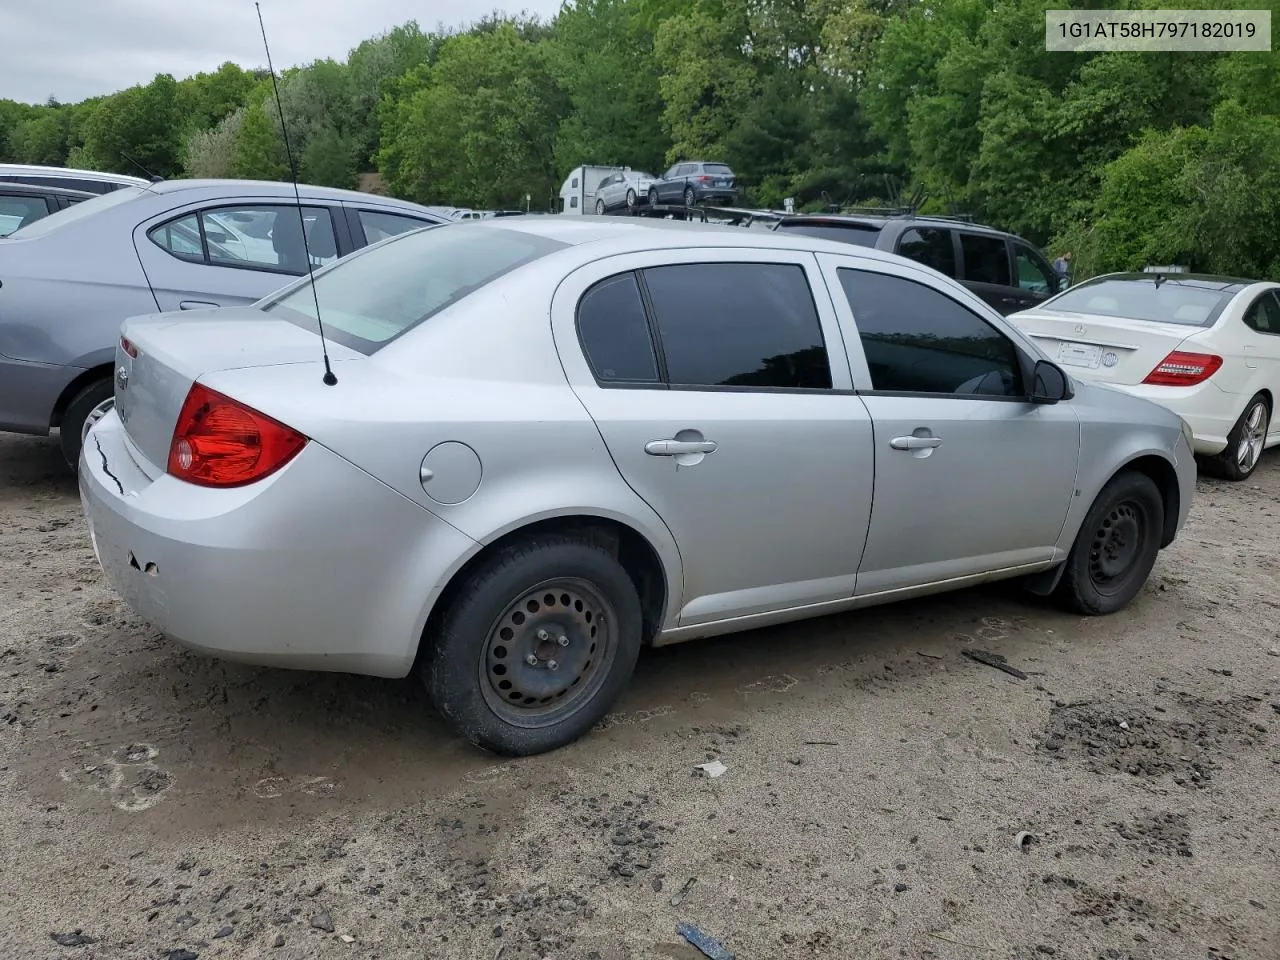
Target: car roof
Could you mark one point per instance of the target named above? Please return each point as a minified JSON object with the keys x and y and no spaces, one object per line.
{"x":283,"y":189}
{"x":623,"y":234}
{"x":882,"y":220}
{"x":18,"y":186}
{"x":36,"y":169}
{"x":1203,"y":281}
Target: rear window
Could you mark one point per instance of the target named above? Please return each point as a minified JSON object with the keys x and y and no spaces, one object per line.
{"x":1173,"y":301}
{"x":79,"y":211}
{"x":861,"y":234}
{"x":717,"y":169}
{"x":379,"y":293}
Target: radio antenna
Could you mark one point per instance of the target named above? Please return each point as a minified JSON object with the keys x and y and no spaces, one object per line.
{"x":329,"y":378}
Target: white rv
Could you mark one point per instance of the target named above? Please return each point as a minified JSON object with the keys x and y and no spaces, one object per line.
{"x":578,"y":192}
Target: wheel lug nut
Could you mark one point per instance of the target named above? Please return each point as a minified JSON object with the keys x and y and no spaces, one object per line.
{"x":551,"y":664}
{"x":531,"y":660}
{"x":543,"y":635}
{"x":562,"y":640}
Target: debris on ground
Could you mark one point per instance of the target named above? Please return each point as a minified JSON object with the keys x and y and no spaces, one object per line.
{"x":684,"y":892}
{"x":74,"y":939}
{"x":712,"y":769}
{"x":322,"y":921}
{"x":993,"y":660}
{"x":710,"y":947}
{"x":1024,"y":839}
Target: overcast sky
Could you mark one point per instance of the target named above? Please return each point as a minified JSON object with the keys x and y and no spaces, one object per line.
{"x":74,"y":49}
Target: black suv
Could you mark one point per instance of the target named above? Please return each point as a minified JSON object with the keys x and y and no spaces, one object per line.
{"x":1006,"y":271}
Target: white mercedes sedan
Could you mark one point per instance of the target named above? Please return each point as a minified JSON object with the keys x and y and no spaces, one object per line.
{"x":1206,"y":347}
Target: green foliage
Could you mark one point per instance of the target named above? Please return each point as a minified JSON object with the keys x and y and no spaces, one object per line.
{"x":1123,"y":158}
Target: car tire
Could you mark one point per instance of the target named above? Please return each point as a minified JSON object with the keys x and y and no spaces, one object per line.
{"x":88,"y":405}
{"x":567,"y":604}
{"x":631,"y":199}
{"x":653,"y":196}
{"x":689,"y":197}
{"x":1116,"y":546}
{"x":1244,"y":443}
{"x":599,"y":208}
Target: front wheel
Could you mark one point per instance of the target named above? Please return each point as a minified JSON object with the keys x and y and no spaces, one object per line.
{"x":85,"y":409}
{"x":1116,"y":546}
{"x":1244,"y":442}
{"x":631,"y":199}
{"x":536,"y":648}
{"x":599,"y":208}
{"x":689,"y":197}
{"x":653,"y":196}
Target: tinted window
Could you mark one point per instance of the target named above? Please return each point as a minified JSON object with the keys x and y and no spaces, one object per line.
{"x":717,"y":169}
{"x":738,"y":324}
{"x":856,"y":233}
{"x":18,"y":211}
{"x":1173,"y":301}
{"x":1033,"y":273}
{"x":377,"y":293}
{"x":70,"y":215}
{"x":235,"y":237}
{"x":615,"y":333}
{"x":986,"y":259}
{"x":379,"y":226}
{"x":918,"y":340}
{"x":1264,"y":314}
{"x":931,"y":247}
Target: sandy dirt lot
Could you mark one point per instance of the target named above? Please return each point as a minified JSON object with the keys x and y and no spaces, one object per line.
{"x":161,"y":805}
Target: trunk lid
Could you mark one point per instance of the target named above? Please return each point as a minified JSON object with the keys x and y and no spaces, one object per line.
{"x":1107,"y":349}
{"x":170,"y":352}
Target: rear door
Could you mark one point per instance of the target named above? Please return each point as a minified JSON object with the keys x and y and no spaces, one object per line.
{"x":932,"y":246}
{"x":719,"y":383}
{"x":984,"y":269}
{"x":970,"y":477}
{"x":234,"y":252}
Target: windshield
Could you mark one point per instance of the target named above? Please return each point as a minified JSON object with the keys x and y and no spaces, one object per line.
{"x":85,"y":208}
{"x":1187,"y":303}
{"x":375,"y":295}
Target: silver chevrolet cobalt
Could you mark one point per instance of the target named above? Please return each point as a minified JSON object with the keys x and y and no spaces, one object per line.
{"x":553,"y":441}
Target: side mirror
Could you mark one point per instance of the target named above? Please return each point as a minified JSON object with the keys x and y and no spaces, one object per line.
{"x":1049,"y":383}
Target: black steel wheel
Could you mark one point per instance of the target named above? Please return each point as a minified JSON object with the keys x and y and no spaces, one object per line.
{"x":536,"y":647}
{"x":1116,"y":546}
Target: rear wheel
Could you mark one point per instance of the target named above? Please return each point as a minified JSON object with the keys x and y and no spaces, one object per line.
{"x":631,"y":199}
{"x":1116,"y":546}
{"x":537,"y":646}
{"x":600,"y":207}
{"x":653,"y":196}
{"x":689,"y":197}
{"x":85,"y":409}
{"x":1244,"y":443}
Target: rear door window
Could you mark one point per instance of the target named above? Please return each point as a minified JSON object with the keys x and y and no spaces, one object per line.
{"x":378,"y":225}
{"x":738,"y":325}
{"x":614,"y":332}
{"x":986,"y":259}
{"x":1263,"y":314}
{"x":931,"y":247}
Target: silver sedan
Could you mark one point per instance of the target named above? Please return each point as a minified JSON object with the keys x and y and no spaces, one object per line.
{"x":548,"y":443}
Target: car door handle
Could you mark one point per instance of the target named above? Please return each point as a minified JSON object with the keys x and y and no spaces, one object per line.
{"x":676,"y":448}
{"x":915,"y":443}
{"x":196,"y":305}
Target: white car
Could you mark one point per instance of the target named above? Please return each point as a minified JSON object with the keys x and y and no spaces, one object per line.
{"x":624,"y":190}
{"x":1206,"y":347}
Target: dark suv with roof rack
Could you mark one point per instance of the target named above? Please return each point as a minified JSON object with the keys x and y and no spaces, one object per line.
{"x":1006,"y":271}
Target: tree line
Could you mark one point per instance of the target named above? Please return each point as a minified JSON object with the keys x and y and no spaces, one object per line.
{"x":1125,"y":159}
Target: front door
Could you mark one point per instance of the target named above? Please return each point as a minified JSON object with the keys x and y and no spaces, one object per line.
{"x":719,"y":383}
{"x":1036,"y":280}
{"x":232,"y":253}
{"x":984,"y":269}
{"x":970,"y":477}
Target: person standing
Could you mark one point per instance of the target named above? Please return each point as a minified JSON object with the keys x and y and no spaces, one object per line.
{"x":1062,"y":266}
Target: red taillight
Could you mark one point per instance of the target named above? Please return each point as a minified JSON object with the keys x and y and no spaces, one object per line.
{"x":704,"y":179}
{"x":1180,"y":369}
{"x":221,"y":443}
{"x":127,"y":346}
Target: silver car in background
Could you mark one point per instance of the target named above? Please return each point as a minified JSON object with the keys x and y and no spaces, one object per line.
{"x":552,"y":441}
{"x":624,"y":190}
{"x":68,"y":280}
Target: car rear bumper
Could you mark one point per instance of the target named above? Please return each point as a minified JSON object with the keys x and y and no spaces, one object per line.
{"x":319,"y":567}
{"x":28,"y":393}
{"x":1209,"y":410}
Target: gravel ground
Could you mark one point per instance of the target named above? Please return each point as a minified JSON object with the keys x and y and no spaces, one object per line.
{"x":161,"y":805}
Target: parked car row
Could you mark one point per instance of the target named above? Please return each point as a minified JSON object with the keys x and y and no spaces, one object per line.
{"x":521,"y":505}
{"x":604,"y":189}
